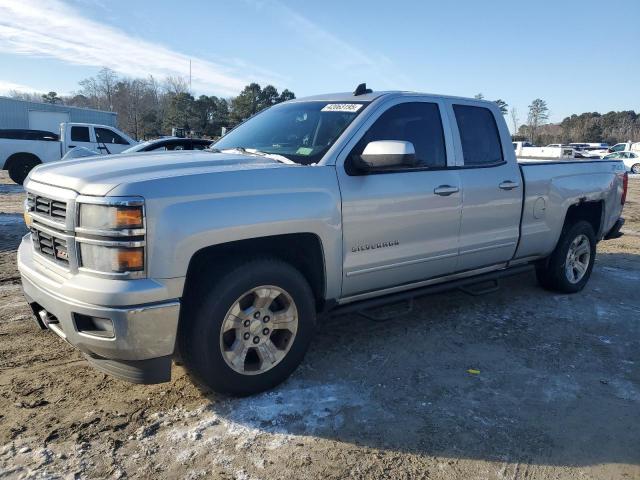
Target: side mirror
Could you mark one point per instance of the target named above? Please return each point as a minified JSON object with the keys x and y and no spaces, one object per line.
{"x":384,"y":154}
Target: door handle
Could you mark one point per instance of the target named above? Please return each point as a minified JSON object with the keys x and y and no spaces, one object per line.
{"x":445,"y":190}
{"x":72,"y":146}
{"x":508,"y":185}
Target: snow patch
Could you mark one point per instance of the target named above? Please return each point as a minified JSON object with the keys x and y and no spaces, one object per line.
{"x":6,"y":188}
{"x":10,"y":218}
{"x":625,"y":390}
{"x":270,"y":420}
{"x":622,"y":273}
{"x":560,"y":388}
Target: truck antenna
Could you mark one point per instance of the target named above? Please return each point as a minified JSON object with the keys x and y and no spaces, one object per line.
{"x":361,"y":90}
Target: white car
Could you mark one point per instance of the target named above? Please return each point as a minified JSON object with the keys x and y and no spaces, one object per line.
{"x":22,"y":150}
{"x":631,"y":160}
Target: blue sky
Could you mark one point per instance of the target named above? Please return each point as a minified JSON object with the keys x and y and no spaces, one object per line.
{"x":577,"y":55}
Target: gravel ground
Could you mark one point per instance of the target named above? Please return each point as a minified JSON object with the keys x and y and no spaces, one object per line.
{"x":557,"y":394}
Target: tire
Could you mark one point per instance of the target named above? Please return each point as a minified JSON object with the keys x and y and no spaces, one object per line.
{"x":555,"y":274}
{"x":20,"y":168}
{"x":635,"y":168}
{"x":206,"y":347}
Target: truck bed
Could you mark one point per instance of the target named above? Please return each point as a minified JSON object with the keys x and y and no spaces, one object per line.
{"x":552,"y":186}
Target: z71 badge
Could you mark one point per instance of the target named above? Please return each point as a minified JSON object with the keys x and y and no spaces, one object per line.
{"x":375,"y":246}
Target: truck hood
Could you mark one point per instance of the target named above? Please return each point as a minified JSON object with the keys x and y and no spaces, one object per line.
{"x":99,"y":175}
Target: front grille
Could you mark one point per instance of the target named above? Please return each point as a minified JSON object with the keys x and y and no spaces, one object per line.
{"x":47,"y":207}
{"x":50,"y":246}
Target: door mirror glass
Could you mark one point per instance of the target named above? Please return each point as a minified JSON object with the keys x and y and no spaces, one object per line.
{"x":386,"y":154}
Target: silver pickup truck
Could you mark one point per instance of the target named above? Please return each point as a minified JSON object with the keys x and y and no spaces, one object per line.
{"x":224,"y":258}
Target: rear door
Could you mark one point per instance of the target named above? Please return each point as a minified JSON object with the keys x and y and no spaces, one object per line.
{"x":400,"y":226}
{"x":79,"y":136}
{"x":491,"y":183}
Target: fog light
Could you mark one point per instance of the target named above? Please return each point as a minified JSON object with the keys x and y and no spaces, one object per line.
{"x":96,"y":326}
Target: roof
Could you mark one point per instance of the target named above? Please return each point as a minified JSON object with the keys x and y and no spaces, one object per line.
{"x":54,"y":106}
{"x":343,"y":97}
{"x":369,"y":97}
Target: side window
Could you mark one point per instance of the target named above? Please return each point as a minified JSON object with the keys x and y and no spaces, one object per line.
{"x":176,"y":146}
{"x":416,"y":122}
{"x":479,"y":135}
{"x":104,"y":135}
{"x":80,"y":134}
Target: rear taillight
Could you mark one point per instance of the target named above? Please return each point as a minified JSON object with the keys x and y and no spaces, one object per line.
{"x":625,"y":185}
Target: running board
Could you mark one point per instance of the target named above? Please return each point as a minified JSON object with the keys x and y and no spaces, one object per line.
{"x":476,"y":289}
{"x":361,"y":305}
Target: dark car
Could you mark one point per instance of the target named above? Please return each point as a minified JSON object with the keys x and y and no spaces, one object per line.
{"x":170,"y":144}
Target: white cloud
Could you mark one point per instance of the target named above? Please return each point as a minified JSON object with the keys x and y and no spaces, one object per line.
{"x":54,"y":29}
{"x":332,"y":50}
{"x":7,"y":87}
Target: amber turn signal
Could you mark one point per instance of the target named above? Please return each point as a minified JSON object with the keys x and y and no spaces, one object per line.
{"x":129,"y":259}
{"x":129,"y":217}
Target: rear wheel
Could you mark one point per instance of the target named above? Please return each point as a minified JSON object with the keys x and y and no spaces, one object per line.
{"x":569,"y":267}
{"x":635,"y":168}
{"x":248,"y":331}
{"x":20,"y":168}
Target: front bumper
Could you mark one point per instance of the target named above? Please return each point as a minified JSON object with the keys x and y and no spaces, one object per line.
{"x":141,"y":339}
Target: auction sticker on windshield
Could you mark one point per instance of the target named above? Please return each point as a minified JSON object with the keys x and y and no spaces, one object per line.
{"x":342,"y":107}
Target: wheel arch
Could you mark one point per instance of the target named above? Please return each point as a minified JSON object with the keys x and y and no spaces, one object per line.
{"x":303,"y":250}
{"x":589,"y":211}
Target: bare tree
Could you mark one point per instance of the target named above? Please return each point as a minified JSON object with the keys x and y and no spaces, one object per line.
{"x":538,"y":114}
{"x":90,"y":90}
{"x":30,"y":97}
{"x":176,"y":85}
{"x":107,"y":80}
{"x":513,"y":114}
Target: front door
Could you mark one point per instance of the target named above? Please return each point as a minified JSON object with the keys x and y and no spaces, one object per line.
{"x":400,"y":226}
{"x":109,"y":141}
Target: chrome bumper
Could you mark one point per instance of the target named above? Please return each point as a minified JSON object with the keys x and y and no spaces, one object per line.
{"x":141,"y":339}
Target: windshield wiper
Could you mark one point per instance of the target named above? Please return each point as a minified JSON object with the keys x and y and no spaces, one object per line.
{"x":255,"y":151}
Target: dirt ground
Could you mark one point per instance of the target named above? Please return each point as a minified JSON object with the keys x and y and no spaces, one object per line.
{"x":557,"y":394}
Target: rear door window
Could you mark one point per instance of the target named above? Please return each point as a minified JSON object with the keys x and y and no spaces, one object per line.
{"x":80,"y":134}
{"x":479,"y":136}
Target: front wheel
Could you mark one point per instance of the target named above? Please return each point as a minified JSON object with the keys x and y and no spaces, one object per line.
{"x":248,"y":330}
{"x":569,"y":267}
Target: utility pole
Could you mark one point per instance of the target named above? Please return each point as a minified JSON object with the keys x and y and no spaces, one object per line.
{"x":190,"y":91}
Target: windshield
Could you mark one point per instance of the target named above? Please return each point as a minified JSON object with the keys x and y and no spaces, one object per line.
{"x":299,"y":131}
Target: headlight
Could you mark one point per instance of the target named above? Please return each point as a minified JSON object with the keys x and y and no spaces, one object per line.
{"x":112,"y":259}
{"x":111,"y":236}
{"x":111,"y":217}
